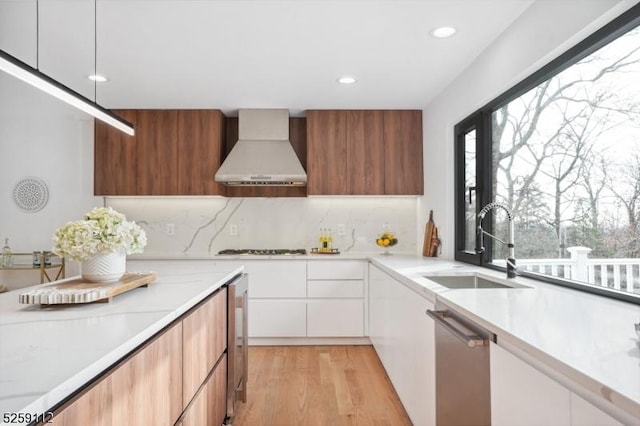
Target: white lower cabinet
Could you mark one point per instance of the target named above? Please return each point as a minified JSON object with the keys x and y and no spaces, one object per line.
{"x":335,"y":318}
{"x":335,"y":298}
{"x":583,"y":413}
{"x":403,"y":337}
{"x":277,"y":318}
{"x":522,"y":395}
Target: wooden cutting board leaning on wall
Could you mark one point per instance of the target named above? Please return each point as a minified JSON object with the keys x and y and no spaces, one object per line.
{"x":431,"y":240}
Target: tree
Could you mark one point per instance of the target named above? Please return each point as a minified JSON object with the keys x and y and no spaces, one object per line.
{"x":546,"y":141}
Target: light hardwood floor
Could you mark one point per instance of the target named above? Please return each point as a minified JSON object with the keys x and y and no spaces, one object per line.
{"x":317,"y":386}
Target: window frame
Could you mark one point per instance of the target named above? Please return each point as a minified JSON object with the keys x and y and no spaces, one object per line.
{"x":481,"y":121}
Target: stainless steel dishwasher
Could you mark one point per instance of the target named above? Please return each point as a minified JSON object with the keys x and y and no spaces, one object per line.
{"x":463,"y":394}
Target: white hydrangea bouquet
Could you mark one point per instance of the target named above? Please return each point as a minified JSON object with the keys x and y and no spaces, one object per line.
{"x":102,"y":231}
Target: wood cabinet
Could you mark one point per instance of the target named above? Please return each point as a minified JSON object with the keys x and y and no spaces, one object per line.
{"x":403,"y":174}
{"x":200,"y":151}
{"x":173,"y":153}
{"x":145,"y":389}
{"x":179,"y":377}
{"x":209,"y":405}
{"x":404,"y":339}
{"x":327,"y":153}
{"x":364,"y":152}
{"x":115,"y":157}
{"x":157,"y":152}
{"x":204,"y":341}
{"x":523,"y":395}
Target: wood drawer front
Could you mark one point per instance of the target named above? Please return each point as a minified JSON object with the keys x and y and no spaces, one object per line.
{"x":335,"y":270}
{"x":204,"y":341}
{"x":144,"y":390}
{"x":210,"y":404}
{"x":335,"y":289}
{"x":335,"y":318}
{"x":277,"y":279}
{"x":277,"y":318}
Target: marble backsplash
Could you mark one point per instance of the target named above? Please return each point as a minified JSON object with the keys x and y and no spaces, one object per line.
{"x":202,"y":226}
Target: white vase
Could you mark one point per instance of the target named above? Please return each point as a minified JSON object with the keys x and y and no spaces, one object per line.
{"x":104,"y":268}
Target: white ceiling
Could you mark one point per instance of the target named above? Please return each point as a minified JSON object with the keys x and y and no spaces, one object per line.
{"x":232,"y":54}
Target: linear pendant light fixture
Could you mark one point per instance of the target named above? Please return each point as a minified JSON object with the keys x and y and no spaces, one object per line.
{"x":15,"y":67}
{"x":24,"y":72}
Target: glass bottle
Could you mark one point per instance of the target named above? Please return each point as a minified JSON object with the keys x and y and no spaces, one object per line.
{"x":7,"y":260}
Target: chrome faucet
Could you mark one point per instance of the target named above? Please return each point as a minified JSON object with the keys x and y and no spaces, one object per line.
{"x":511,"y":261}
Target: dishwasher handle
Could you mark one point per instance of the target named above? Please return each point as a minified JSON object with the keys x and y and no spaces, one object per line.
{"x":471,"y":340}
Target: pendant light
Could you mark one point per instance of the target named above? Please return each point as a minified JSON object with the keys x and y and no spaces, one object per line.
{"x":15,"y":67}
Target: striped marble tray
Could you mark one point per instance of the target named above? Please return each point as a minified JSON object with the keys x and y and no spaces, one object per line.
{"x":81,"y":291}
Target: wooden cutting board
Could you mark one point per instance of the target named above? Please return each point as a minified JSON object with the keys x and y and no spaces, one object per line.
{"x":428,"y":235}
{"x":81,"y":291}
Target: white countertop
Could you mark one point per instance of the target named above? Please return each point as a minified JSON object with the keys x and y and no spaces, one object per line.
{"x":588,"y":338}
{"x":47,"y":354}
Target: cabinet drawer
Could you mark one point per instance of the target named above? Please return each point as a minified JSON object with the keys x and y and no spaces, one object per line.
{"x":335,"y":289}
{"x":335,"y":318}
{"x":204,"y":340}
{"x":209,"y":405}
{"x":335,"y":270}
{"x":277,"y":318}
{"x":277,"y":279}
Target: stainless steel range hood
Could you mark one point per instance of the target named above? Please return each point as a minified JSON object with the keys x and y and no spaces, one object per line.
{"x":263,"y":155}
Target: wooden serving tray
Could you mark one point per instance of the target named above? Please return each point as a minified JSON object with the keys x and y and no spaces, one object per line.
{"x":81,"y":291}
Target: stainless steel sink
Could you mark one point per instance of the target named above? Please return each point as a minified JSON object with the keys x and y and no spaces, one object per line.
{"x":471,"y":281}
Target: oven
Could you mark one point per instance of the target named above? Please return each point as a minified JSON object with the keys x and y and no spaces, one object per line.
{"x":237,"y":345}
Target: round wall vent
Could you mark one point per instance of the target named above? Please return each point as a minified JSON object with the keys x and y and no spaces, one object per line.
{"x":31,"y":194}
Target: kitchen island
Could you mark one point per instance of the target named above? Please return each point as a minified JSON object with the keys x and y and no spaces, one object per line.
{"x":46,"y":355}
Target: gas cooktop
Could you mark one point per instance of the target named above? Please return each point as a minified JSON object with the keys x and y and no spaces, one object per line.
{"x":263,"y":252}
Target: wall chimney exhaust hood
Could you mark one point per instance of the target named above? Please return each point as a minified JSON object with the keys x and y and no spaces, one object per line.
{"x":263,"y":155}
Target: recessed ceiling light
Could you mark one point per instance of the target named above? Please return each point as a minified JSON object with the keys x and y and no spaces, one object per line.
{"x":443,"y":32}
{"x":98,"y":78}
{"x":347,"y":79}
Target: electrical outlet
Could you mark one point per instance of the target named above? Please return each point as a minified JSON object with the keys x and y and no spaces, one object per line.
{"x":341,"y":230}
{"x":171,"y":229}
{"x":233,"y":230}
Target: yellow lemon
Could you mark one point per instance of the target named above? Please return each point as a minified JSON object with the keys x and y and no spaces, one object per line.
{"x":385,"y":242}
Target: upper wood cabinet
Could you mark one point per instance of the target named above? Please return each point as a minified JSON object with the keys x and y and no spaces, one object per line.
{"x":200,"y":149}
{"x":157,"y":152}
{"x":364,"y":152}
{"x":173,"y":153}
{"x":115,"y":158}
{"x":327,"y":153}
{"x":403,"y":173}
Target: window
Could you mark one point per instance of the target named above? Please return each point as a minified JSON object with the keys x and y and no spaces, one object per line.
{"x":562,"y":152}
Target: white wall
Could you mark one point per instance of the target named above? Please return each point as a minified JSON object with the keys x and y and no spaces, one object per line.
{"x":544,"y":31}
{"x":42,"y":137}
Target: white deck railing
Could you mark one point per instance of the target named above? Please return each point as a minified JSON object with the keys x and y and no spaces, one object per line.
{"x":619,"y":274}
